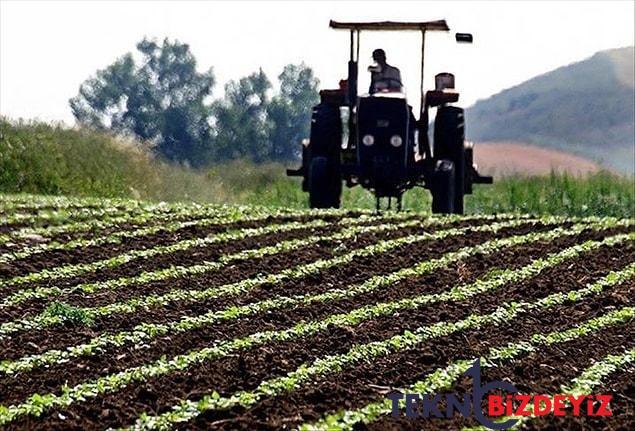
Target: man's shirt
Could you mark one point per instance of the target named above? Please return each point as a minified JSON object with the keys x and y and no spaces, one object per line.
{"x":388,"y":77}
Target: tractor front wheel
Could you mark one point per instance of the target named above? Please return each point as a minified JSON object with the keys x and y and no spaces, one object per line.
{"x":325,"y":185}
{"x":443,"y":188}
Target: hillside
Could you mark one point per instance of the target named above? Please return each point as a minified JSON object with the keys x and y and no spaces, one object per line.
{"x":586,"y":108}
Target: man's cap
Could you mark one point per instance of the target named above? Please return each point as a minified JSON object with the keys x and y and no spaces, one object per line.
{"x":379,"y":53}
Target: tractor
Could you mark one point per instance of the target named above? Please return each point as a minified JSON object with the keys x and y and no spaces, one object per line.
{"x":375,"y":141}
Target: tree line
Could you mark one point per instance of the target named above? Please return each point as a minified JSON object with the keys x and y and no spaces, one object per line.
{"x":161,"y":99}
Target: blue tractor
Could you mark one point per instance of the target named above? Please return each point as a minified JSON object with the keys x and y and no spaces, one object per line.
{"x":376,"y":142}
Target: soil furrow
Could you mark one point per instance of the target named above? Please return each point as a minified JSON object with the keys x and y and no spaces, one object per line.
{"x":361,"y":385}
{"x":191,"y":257}
{"x":110,"y":226}
{"x":57,"y":337}
{"x":196,"y":256}
{"x":245,"y":371}
{"x":460,"y":273}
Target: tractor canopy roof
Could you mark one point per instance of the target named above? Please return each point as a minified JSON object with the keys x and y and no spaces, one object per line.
{"x":439,"y":25}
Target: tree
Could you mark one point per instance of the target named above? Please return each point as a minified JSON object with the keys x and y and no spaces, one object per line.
{"x":162,"y":100}
{"x":290,"y":111}
{"x":251,"y":124}
{"x":241,"y":120}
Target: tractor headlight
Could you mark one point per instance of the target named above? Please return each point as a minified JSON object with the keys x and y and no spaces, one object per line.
{"x":396,"y":141}
{"x":368,"y":140}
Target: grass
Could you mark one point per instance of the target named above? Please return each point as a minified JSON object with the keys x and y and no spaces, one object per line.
{"x":44,"y":159}
{"x":599,"y":194}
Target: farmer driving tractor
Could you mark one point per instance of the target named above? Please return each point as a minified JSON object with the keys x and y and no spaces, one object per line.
{"x":375,"y":141}
{"x":383,"y":77}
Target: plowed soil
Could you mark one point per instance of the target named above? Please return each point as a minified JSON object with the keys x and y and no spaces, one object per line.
{"x":355,"y":385}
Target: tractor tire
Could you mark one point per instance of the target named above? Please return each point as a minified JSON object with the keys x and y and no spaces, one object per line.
{"x":449,"y":144}
{"x":443,"y":188}
{"x":325,"y":185}
{"x":326,"y":132}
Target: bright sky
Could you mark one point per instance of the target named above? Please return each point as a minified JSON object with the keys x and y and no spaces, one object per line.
{"x":47,"y":48}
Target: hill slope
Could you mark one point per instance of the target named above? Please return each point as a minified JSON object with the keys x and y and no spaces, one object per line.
{"x":586,"y":108}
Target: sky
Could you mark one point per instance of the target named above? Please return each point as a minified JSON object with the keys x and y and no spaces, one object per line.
{"x":48,"y":48}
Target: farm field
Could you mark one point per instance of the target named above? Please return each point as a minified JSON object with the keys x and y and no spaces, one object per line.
{"x":120,"y":314}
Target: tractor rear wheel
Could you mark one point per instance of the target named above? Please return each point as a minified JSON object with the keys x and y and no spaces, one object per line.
{"x":449,"y":144}
{"x":325,"y":185}
{"x":443,"y":188}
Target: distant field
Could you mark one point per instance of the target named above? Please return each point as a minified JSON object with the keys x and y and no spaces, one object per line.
{"x":508,"y":158}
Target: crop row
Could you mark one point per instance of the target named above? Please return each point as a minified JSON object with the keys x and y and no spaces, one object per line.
{"x":62,"y":216}
{"x":37,"y":404}
{"x":159,"y":214}
{"x":31,"y":202}
{"x":74,"y":270}
{"x":61,"y":222}
{"x":174,"y":272}
{"x":333,"y":364}
{"x":25,"y":201}
{"x":177,"y":271}
{"x":215,"y":217}
{"x":233,"y":214}
{"x":44,"y":233}
{"x":141,"y":214}
{"x":197,"y":269}
{"x":59,"y":216}
{"x":189,"y":295}
{"x":239,"y":215}
{"x":34,"y":203}
{"x":144,"y":332}
{"x":202,"y":219}
{"x":442,"y":379}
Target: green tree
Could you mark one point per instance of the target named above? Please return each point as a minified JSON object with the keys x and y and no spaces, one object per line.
{"x":241,"y":120}
{"x":290,"y":111}
{"x":249,"y":123}
{"x":162,"y":100}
